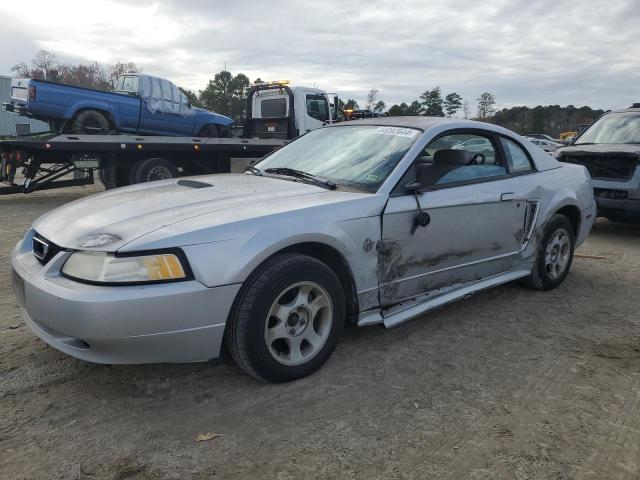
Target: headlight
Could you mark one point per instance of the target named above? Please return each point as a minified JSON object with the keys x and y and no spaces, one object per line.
{"x":98,"y":267}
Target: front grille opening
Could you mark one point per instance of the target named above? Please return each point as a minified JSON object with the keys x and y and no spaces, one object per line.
{"x":604,"y":167}
{"x":43,"y":249}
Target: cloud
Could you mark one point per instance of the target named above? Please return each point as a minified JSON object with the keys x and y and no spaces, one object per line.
{"x":543,"y":52}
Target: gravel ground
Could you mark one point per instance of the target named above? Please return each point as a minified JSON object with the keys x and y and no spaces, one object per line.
{"x":510,"y":383}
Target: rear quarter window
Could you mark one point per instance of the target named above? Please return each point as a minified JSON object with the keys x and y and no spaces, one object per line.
{"x":516,"y":157}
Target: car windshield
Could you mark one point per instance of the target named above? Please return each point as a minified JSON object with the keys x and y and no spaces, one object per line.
{"x":354,"y":155}
{"x":622,"y":127}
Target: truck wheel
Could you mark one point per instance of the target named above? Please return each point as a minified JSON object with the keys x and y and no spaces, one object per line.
{"x":114,"y":176}
{"x":287,"y":318}
{"x":90,"y":122}
{"x":107,"y":177}
{"x":209,"y":131}
{"x":152,"y":169}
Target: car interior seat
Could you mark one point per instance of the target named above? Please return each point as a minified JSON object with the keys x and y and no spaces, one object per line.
{"x":443,"y":162}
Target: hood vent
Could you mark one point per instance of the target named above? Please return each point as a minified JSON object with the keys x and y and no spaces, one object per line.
{"x":193,"y":184}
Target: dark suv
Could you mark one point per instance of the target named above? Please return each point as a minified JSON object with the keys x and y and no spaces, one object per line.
{"x":610,"y":149}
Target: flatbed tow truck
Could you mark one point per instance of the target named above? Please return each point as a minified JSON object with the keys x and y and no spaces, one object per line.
{"x":276,"y":114}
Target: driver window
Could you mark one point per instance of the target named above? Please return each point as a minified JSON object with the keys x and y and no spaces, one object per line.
{"x":129,"y":84}
{"x":457,"y":158}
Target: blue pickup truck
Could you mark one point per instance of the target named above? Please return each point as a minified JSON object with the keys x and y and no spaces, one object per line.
{"x":140,"y":104}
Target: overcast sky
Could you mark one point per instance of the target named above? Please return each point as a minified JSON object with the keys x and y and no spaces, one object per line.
{"x":526,"y":52}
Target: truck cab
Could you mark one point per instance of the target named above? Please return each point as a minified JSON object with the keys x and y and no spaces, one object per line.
{"x":280,"y":110}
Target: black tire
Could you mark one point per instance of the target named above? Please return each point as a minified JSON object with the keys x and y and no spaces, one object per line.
{"x":90,"y":122}
{"x":541,"y":277}
{"x":107,"y":177}
{"x":151,"y":169}
{"x":112,"y":175}
{"x":245,"y":333}
{"x":210,"y":131}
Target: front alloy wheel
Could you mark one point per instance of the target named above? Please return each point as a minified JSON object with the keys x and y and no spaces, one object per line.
{"x":287,"y":318}
{"x":298,"y":323}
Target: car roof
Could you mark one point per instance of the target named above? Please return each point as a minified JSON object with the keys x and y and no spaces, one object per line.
{"x":426,"y":123}
{"x":543,"y":161}
{"x":408,"y":121}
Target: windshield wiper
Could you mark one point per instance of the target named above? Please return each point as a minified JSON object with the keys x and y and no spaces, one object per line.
{"x":252,"y":169}
{"x":292,"y":172}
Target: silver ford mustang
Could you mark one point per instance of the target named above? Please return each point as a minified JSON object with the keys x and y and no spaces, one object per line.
{"x":366,"y":222}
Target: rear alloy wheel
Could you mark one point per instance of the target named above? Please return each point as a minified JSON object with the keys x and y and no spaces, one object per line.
{"x":90,"y":122}
{"x":554,"y":255}
{"x":152,"y":169}
{"x":557,"y":254}
{"x":287,"y":318}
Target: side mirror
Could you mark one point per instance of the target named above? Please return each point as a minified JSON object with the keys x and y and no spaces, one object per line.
{"x":414,"y":187}
{"x":419,"y":185}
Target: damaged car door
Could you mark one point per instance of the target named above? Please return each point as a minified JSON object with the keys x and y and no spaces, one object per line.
{"x":464,"y":223}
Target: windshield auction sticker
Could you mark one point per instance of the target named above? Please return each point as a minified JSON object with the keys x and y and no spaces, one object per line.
{"x":397,"y":131}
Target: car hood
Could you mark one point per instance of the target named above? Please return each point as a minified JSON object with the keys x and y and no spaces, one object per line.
{"x":607,"y":149}
{"x":214,"y":117}
{"x":109,"y":220}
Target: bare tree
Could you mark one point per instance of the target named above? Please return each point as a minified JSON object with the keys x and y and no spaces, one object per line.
{"x":466,"y":109}
{"x":45,"y":61}
{"x":43,"y":67}
{"x":371,"y":99}
{"x":119,"y":68}
{"x":90,"y":75}
{"x":486,"y":105}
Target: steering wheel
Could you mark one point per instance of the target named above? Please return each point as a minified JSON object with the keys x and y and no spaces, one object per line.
{"x":478,"y":159}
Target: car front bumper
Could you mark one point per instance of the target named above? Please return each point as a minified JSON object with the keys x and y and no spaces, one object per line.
{"x":617,"y":199}
{"x":172,"y":322}
{"x":619,"y":208}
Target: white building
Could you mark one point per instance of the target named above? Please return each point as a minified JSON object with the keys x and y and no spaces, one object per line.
{"x":12,"y":124}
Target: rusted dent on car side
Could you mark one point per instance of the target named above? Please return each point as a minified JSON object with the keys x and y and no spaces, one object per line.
{"x":393,"y":265}
{"x":368,"y":300}
{"x":529,"y":252}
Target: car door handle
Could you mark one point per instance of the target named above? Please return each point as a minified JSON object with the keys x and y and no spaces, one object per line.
{"x":508,"y":197}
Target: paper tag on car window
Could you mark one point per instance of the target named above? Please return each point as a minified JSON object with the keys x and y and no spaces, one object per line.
{"x":397,"y":131}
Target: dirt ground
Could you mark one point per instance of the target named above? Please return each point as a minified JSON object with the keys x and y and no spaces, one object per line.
{"x":507,"y":384}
